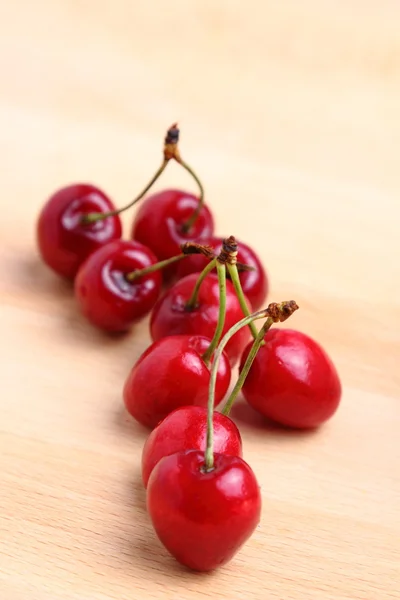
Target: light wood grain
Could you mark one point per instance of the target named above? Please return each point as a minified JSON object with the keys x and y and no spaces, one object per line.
{"x":290,"y":112}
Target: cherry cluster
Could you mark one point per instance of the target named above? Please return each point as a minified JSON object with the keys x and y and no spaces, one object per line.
{"x":205,"y":295}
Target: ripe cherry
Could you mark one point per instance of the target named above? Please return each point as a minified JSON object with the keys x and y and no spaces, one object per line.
{"x":104,"y":292}
{"x":254,"y":282}
{"x":186,"y":428}
{"x":160,"y":223}
{"x":292,"y":380}
{"x":203,"y":516}
{"x":64,"y":239}
{"x":171,"y":316}
{"x":169,"y":374}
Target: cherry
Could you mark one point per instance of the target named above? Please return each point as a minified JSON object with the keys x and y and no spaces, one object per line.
{"x":171,"y":316}
{"x":169,"y":374}
{"x":254,"y":282}
{"x":203,"y":516}
{"x":160,"y":223}
{"x":104,"y":292}
{"x":186,"y":428}
{"x":292,"y":381}
{"x":63,"y":237}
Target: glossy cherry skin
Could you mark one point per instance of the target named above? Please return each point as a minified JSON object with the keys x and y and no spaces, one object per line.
{"x":203,"y":518}
{"x":254,"y":283}
{"x":64,"y":241}
{"x":106,"y":297}
{"x":169,"y":374}
{"x":184,"y":429}
{"x":292,"y":380}
{"x":159,"y":220}
{"x":170,"y":316}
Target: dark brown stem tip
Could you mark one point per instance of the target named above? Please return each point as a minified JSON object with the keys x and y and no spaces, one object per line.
{"x":229,"y":244}
{"x":229,"y":251}
{"x":171,"y":143}
{"x":172,"y":136}
{"x":280,"y":312}
{"x":195,"y":248}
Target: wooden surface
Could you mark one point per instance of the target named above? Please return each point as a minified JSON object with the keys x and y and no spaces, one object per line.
{"x":290,"y":112}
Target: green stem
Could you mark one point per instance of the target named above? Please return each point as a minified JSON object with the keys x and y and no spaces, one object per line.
{"x":209,"y":454}
{"x":192,"y":219}
{"x":93,"y":217}
{"x":233,"y":272}
{"x":258,"y":342}
{"x":152,"y":268}
{"x":275,"y":313}
{"x":221,"y":271}
{"x":192,"y":302}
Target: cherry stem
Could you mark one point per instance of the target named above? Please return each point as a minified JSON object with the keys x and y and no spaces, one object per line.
{"x":234,"y":274}
{"x":170,"y":151}
{"x":133,"y":275}
{"x":221,"y":271}
{"x":193,"y":217}
{"x":192,"y":302}
{"x":93,"y":217}
{"x":258,"y":342}
{"x":276,"y":313}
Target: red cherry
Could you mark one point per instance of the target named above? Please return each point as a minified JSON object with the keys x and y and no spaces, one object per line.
{"x":254,"y":283}
{"x":105,"y":296}
{"x":160,"y":219}
{"x":64,"y":240}
{"x":169,"y":374}
{"x":292,"y":380}
{"x":203,"y":518}
{"x":171,"y":317}
{"x":184,"y":429}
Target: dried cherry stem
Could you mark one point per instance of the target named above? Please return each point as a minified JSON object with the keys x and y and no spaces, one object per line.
{"x":188,"y":248}
{"x":274,"y":313}
{"x":170,"y":149}
{"x":221,"y":271}
{"x":192,"y":302}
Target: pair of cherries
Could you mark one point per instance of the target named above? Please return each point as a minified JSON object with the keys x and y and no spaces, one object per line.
{"x":80,"y":219}
{"x":79,"y":236}
{"x":288,"y":378}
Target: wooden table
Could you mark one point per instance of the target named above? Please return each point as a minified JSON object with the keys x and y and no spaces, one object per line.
{"x":290,"y":112}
